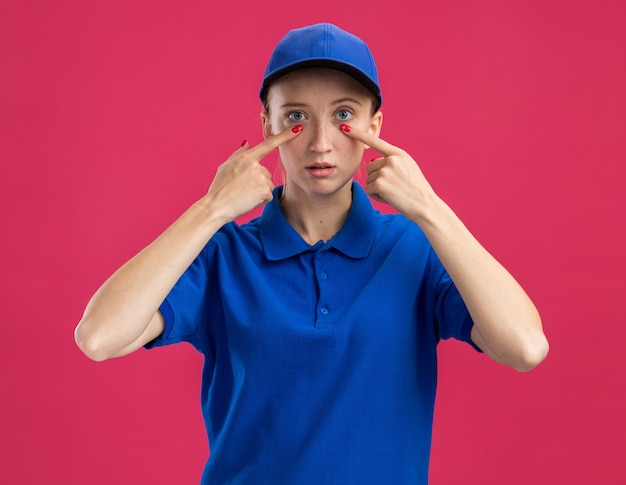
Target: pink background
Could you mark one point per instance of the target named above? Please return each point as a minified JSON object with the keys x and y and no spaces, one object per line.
{"x":114,"y":116}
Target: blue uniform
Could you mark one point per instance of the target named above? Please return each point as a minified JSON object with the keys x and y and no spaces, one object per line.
{"x":320,"y":361}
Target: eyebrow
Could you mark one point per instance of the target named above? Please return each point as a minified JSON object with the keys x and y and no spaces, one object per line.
{"x":338,"y":101}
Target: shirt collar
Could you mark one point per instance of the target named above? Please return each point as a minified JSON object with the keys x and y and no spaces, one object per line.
{"x":354,"y":239}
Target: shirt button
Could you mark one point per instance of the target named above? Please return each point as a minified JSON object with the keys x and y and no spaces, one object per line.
{"x":324,"y":276}
{"x":324,"y":311}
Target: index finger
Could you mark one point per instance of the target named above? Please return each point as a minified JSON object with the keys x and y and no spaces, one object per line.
{"x":271,"y":143}
{"x":386,"y":149}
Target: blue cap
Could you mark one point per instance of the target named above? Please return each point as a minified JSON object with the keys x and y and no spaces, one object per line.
{"x":323,"y":45}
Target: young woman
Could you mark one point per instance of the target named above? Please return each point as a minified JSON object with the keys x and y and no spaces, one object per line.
{"x":319,"y":320}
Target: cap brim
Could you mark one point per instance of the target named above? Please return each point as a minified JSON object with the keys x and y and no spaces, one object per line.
{"x":328,"y":63}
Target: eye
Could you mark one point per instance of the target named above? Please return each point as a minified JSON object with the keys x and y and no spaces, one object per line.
{"x":295,"y":115}
{"x":343,"y":115}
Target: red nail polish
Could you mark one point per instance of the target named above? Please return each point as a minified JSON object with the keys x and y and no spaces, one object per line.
{"x":345,"y":128}
{"x":243,"y":143}
{"x":297,"y":129}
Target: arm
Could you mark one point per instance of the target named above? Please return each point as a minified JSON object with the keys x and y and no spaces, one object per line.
{"x":123,"y":314}
{"x":507,"y":326}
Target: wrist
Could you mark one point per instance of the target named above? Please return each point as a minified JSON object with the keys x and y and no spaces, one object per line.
{"x":210,"y":212}
{"x":426,"y":210}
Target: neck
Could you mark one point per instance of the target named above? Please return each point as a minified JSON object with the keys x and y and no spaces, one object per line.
{"x":316,"y":218}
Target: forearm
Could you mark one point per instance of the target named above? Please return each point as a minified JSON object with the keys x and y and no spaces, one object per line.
{"x":116,"y":319}
{"x":507,"y":326}
{"x":122,"y":315}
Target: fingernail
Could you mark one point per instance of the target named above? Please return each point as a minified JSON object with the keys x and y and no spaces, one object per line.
{"x":297,"y":129}
{"x":345,"y":128}
{"x":243,"y":143}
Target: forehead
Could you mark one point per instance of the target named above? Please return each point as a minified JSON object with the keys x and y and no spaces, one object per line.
{"x":317,"y":83}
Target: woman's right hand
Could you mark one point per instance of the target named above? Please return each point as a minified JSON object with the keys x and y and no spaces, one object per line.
{"x":123,"y":315}
{"x":242,"y":183}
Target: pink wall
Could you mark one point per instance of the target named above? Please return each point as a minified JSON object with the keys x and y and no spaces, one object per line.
{"x":114,"y":116}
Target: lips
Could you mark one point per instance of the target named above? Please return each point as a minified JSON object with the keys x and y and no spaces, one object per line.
{"x":320,"y":169}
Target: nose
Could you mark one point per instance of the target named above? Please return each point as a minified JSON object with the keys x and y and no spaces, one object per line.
{"x":320,"y":138}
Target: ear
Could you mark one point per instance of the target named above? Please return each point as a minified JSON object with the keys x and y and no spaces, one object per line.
{"x":266,"y":125}
{"x":376,"y":124}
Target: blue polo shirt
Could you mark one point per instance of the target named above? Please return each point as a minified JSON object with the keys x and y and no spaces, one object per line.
{"x":320,"y":361}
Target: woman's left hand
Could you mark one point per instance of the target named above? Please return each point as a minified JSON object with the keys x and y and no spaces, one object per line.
{"x":507,"y":325}
{"x":394,"y":178}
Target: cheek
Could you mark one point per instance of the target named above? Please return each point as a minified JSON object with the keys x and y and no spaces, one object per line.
{"x":363,"y":124}
{"x":276,"y":124}
{"x":289,"y":151}
{"x":279,"y":125}
{"x":352,"y":145}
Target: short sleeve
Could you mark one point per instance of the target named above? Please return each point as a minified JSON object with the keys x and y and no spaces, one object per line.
{"x":451,"y":315}
{"x":185,"y":309}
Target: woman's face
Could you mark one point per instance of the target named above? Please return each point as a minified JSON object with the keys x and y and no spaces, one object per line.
{"x":322,"y":159}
